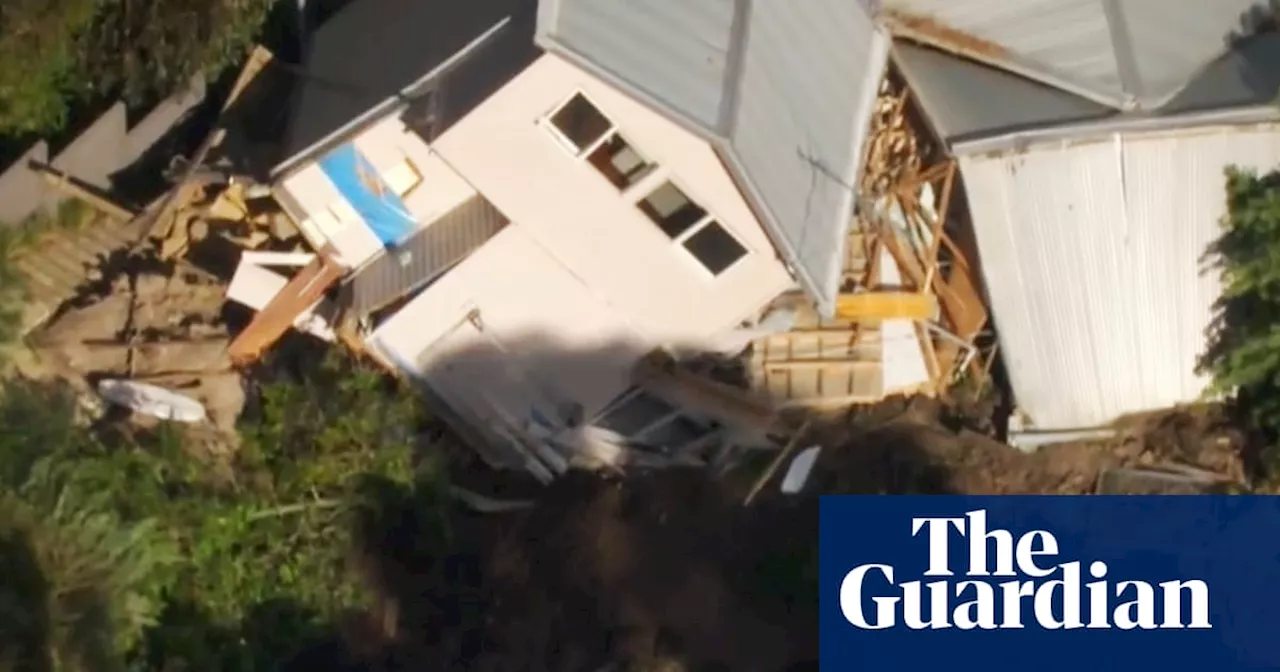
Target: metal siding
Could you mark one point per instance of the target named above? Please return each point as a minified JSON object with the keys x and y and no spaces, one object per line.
{"x":1074,"y":44}
{"x":675,"y":50}
{"x":1091,"y":255}
{"x":433,"y":250}
{"x":808,"y":77}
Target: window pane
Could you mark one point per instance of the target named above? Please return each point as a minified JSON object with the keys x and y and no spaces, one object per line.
{"x":402,"y":177}
{"x":580,"y":122}
{"x":619,"y":162}
{"x":715,"y":248}
{"x":639,"y":411}
{"x":671,"y":210}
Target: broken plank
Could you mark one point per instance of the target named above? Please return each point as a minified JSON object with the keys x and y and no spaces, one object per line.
{"x":182,"y":191}
{"x":298,"y":296}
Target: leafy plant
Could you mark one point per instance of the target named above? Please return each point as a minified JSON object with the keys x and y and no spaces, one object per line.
{"x":1243,"y":349}
{"x":150,"y":552}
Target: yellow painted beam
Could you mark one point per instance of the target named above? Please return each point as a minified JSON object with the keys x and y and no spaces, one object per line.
{"x":886,"y":306}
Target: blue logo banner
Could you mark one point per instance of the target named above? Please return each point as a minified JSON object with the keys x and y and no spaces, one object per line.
{"x":363,"y":187}
{"x":1050,"y":583}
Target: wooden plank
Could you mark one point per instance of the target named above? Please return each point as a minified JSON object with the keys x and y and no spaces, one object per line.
{"x":777,"y":462}
{"x":886,"y":306}
{"x":74,"y":188}
{"x":843,"y":364}
{"x":303,"y":291}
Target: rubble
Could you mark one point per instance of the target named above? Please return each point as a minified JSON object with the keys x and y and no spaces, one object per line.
{"x":911,"y":314}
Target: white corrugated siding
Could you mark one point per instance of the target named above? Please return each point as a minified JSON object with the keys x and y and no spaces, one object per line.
{"x":1091,"y":254}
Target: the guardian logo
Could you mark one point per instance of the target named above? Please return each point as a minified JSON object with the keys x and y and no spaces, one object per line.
{"x":1054,"y":596}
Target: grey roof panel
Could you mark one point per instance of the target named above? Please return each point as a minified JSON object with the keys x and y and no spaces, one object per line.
{"x":966,"y":100}
{"x":674,"y":49}
{"x":372,"y":50}
{"x":428,"y":253}
{"x":808,"y":76}
{"x":1130,"y":54}
{"x":784,"y":90}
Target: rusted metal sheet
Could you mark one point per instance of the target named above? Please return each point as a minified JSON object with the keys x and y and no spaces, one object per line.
{"x":936,"y":32}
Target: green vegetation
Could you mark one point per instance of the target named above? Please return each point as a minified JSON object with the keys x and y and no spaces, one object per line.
{"x":1243,"y":353}
{"x":126,"y":551}
{"x":55,"y":54}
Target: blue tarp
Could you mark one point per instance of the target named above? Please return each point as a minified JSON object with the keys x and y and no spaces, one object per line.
{"x":358,"y":182}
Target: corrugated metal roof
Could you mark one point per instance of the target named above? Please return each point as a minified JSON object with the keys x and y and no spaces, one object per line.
{"x":1123,"y":53}
{"x":1093,"y":265}
{"x":964,"y":99}
{"x":784,"y":91}
{"x":422,"y":257}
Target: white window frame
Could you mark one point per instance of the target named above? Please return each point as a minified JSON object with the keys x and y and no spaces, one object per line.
{"x":694,"y":228}
{"x":637,"y":437}
{"x":581,"y":155}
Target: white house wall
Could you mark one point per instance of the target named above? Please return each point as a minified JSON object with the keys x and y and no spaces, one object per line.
{"x":1092,"y":251}
{"x":546,"y":319}
{"x":596,"y":232}
{"x":383,"y":144}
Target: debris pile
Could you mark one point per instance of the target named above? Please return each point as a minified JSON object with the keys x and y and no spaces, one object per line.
{"x":140,"y":322}
{"x":910,"y":316}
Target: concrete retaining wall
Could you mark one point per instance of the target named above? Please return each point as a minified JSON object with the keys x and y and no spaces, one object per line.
{"x":105,"y":148}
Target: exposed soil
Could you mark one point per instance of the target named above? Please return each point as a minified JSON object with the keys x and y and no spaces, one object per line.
{"x":172,"y":318}
{"x":668,"y":571}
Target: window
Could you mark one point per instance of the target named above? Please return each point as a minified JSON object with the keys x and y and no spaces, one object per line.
{"x":580,"y":123}
{"x":587,"y":132}
{"x":671,"y":210}
{"x":689,"y":224}
{"x":714,"y":247}
{"x":636,"y":412}
{"x":640,"y":419}
{"x":619,"y":162}
{"x":402,"y":177}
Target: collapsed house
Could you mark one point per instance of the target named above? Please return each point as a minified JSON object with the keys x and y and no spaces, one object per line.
{"x":1092,"y":140}
{"x":519,"y":202}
